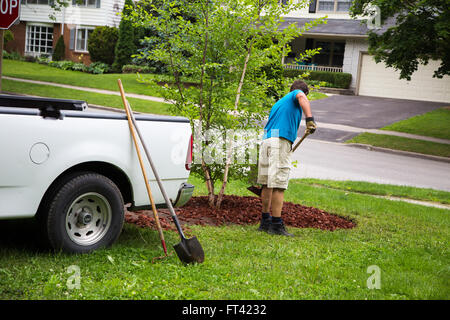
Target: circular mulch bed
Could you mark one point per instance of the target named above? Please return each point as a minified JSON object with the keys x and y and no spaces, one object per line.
{"x":239,"y":210}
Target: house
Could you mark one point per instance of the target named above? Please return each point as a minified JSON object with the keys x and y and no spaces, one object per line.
{"x":344,"y":43}
{"x":41,"y":26}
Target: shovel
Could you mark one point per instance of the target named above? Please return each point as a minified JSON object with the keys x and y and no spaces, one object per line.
{"x":257,"y":190}
{"x":188,"y":250}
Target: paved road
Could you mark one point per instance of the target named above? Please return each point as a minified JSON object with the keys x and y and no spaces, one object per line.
{"x":363,"y":112}
{"x":326,"y":160}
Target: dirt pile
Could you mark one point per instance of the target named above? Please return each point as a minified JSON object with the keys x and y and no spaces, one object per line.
{"x":239,"y":210}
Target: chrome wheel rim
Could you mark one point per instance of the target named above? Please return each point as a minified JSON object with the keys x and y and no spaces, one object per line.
{"x":88,"y":219}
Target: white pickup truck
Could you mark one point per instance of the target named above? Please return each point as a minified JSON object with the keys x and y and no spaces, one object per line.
{"x":75,"y":170}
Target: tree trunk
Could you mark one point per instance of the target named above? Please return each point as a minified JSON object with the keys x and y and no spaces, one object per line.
{"x":230,"y":146}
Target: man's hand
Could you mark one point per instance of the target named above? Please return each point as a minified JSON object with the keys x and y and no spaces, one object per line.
{"x":310,"y":125}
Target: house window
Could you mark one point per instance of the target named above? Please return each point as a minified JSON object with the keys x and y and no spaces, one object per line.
{"x":39,"y":39}
{"x":82,"y":39}
{"x":43,"y":2}
{"x":86,"y":3}
{"x":331,"y":54}
{"x":334,"y":5}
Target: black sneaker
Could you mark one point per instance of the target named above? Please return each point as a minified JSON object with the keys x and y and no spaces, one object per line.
{"x":265,"y":224}
{"x":279,"y":229}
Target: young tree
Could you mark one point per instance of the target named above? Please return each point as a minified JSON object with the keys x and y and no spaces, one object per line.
{"x":125,"y":47}
{"x":224,"y":47}
{"x":60,"y":50}
{"x":421,"y":32}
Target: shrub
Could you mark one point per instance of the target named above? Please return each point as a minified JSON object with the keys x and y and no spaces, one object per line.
{"x":98,"y":68}
{"x":7,"y":36}
{"x":335,"y":79}
{"x":102,"y":43}
{"x":60,"y":50}
{"x":43,"y":59}
{"x":131,"y":68}
{"x":30,"y":58}
{"x":125,"y":44}
{"x":79,"y":67}
{"x":12,"y":56}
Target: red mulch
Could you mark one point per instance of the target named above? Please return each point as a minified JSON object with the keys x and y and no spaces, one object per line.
{"x":239,"y":210}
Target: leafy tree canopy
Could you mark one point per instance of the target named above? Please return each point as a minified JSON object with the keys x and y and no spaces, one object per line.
{"x":421,"y":32}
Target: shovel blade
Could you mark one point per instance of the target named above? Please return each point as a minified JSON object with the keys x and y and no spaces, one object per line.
{"x":255,"y":190}
{"x":190,"y":251}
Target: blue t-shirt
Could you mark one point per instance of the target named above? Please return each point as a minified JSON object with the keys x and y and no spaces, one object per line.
{"x":284,"y":118}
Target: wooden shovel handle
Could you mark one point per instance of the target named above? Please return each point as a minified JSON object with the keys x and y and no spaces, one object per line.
{"x":144,"y":173}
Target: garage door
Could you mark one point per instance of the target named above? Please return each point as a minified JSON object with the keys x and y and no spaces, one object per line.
{"x":378,"y":81}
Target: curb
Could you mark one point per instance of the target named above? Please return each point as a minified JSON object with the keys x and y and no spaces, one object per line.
{"x":399,"y":152}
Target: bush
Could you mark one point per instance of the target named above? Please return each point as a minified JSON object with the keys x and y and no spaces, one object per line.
{"x":30,"y":58}
{"x":79,"y":67}
{"x":64,"y":65}
{"x":12,"y":56}
{"x":125,"y":47}
{"x":335,"y":79}
{"x":7,"y":36}
{"x":131,"y":68}
{"x":43,"y":59}
{"x":60,"y":50}
{"x":102,"y":43}
{"x":98,"y":68}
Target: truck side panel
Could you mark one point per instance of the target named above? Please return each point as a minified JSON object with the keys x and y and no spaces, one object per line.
{"x":25,"y":139}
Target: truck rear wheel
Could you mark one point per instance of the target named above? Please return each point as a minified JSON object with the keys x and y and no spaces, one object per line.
{"x":85,"y":214}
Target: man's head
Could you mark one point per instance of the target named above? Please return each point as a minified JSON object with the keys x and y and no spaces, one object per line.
{"x":300,"y":85}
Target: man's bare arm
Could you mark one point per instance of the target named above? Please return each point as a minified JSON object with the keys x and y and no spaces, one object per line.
{"x":306,"y":107}
{"x":304,"y":104}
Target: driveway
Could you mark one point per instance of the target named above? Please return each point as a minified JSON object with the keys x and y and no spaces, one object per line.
{"x":362,"y":112}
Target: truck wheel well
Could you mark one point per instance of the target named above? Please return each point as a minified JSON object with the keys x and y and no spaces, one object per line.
{"x":106,"y":169}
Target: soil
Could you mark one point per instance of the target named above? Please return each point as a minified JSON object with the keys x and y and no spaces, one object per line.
{"x":241,"y":211}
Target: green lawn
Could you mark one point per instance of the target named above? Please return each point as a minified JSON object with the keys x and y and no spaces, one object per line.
{"x":409,"y":243}
{"x":383,"y":190}
{"x":401,"y":143}
{"x":91,"y":97}
{"x":433,"y":124}
{"x":35,"y":71}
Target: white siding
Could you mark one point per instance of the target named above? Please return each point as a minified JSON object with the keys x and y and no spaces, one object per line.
{"x":379,"y":81}
{"x":304,"y":13}
{"x":351,"y":57}
{"x":75,"y":15}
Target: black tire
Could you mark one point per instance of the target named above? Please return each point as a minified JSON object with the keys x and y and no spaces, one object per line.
{"x":87,"y":204}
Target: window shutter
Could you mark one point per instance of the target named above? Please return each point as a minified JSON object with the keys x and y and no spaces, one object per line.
{"x":97,"y":4}
{"x":74,"y":2}
{"x":312,"y":6}
{"x":72,"y":39}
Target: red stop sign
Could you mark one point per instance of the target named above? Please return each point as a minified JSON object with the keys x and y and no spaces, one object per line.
{"x":9,"y":13}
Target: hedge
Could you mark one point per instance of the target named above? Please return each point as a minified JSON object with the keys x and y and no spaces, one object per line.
{"x":336,"y":79}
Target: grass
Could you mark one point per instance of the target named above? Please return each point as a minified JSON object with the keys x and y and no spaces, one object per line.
{"x":383,"y":190}
{"x":401,"y":143}
{"x":35,"y":71}
{"x":91,"y":97}
{"x":433,"y":124}
{"x":409,"y":243}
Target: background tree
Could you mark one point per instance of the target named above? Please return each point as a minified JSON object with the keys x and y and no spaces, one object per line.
{"x":125,"y":46}
{"x":60,"y":50}
{"x":224,"y":47}
{"x":102,"y":43}
{"x":421,"y":32}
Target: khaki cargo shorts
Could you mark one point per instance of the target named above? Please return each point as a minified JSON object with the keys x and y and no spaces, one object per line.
{"x":274,"y":163}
